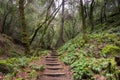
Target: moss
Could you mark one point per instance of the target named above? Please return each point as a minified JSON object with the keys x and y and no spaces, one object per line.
{"x":111,"y":50}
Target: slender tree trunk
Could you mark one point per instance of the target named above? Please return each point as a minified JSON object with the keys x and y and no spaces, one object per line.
{"x":4,"y":21}
{"x":61,"y":40}
{"x":101,"y":17}
{"x":104,"y":10}
{"x":91,"y":15}
{"x":24,"y":27}
{"x":118,"y":5}
{"x":83,"y":20}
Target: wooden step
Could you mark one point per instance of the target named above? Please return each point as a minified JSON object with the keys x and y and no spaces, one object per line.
{"x":54,"y":55}
{"x":52,"y":64}
{"x":54,"y":78}
{"x":54,"y":74}
{"x":50,"y":59}
{"x":57,"y":66}
{"x":54,"y":68}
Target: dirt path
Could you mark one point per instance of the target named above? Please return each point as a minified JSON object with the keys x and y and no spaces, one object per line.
{"x":55,"y":69}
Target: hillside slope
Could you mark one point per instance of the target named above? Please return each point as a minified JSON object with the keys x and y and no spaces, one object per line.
{"x":8,"y":48}
{"x":93,"y":59}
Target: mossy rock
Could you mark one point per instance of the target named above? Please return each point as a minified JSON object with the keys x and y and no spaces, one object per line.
{"x":111,"y":50}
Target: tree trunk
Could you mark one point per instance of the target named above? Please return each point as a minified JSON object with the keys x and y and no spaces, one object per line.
{"x":118,"y":5}
{"x":83,"y":20}
{"x":61,"y":40}
{"x":24,"y":27}
{"x":104,"y":10}
{"x":91,"y":15}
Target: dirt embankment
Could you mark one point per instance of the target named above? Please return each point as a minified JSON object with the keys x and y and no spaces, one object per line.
{"x":8,"y":47}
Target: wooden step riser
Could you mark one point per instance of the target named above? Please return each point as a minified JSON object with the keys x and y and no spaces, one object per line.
{"x":52,"y":64}
{"x":52,"y":57}
{"x":51,"y":60}
{"x":55,"y":75}
{"x":54,"y":68}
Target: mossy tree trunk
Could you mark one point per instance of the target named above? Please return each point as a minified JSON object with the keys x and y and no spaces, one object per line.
{"x":24,"y":27}
{"x":61,"y":40}
{"x":118,"y":5}
{"x":91,"y":15}
{"x":83,"y":20}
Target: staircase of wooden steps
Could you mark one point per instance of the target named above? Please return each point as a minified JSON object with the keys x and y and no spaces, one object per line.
{"x":53,"y":69}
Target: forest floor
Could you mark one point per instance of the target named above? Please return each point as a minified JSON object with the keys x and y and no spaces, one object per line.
{"x":53,"y":69}
{"x":32,"y":68}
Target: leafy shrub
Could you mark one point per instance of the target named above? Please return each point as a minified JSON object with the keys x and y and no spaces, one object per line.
{"x":80,"y":56}
{"x":8,"y":77}
{"x":35,"y":67}
{"x":86,"y":68}
{"x":69,"y":59}
{"x":117,"y":43}
{"x":81,"y":70}
{"x":33,"y":75}
{"x":22,"y":62}
{"x":19,"y":79}
{"x":110,"y":50}
{"x":12,"y":64}
{"x":39,"y":52}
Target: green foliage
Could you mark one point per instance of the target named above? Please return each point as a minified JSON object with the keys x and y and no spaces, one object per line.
{"x":81,"y":70}
{"x":38,"y":68}
{"x":23,"y":62}
{"x":8,"y":77}
{"x":104,"y":37}
{"x":33,"y":75}
{"x":19,"y":79}
{"x":39,"y":52}
{"x":80,"y":55}
{"x":110,"y":50}
{"x":117,"y":43}
{"x":12,"y":64}
{"x":85,"y":68}
{"x":70,"y":59}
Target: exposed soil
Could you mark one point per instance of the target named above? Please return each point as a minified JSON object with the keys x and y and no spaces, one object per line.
{"x":8,"y":47}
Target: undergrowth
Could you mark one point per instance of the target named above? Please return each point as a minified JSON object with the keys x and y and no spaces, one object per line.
{"x":89,"y":59}
{"x":12,"y":66}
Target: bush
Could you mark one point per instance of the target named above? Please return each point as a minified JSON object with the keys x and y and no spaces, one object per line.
{"x":110,"y":50}
{"x":35,"y":67}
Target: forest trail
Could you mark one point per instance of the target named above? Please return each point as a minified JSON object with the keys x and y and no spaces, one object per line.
{"x":55,"y":69}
